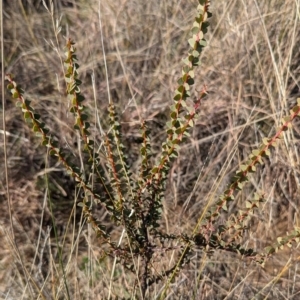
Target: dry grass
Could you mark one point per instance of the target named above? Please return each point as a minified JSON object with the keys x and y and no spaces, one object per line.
{"x":251,"y":67}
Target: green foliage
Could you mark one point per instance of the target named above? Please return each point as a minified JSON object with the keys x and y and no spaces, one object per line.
{"x":135,"y":204}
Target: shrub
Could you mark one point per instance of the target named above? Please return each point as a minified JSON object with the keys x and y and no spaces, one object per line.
{"x":134,"y":200}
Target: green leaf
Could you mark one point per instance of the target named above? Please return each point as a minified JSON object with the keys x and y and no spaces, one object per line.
{"x":19,"y":104}
{"x":191,"y":123}
{"x":266,"y":152}
{"x":180,"y":89}
{"x":192,"y":42}
{"x":243,"y":168}
{"x":45,"y":142}
{"x":180,"y":81}
{"x":177,"y":97}
{"x":196,"y":24}
{"x":36,"y":128}
{"x":27,"y":115}
{"x":204,"y":27}
{"x":269,"y":250}
{"x":186,"y":86}
{"x":187,"y":62}
{"x":265,"y":141}
{"x":15,"y":95}
{"x":154,"y":170}
{"x":84,"y":117}
{"x":256,"y":152}
{"x":46,"y":130}
{"x":39,"y":134}
{"x":195,"y":29}
{"x":169,"y":125}
{"x":190,"y":81}
{"x":252,"y":169}
{"x":173,"y":115}
{"x":240,"y":185}
{"x":28,"y":121}
{"x":10,"y":86}
{"x":203,"y":43}
{"x":286,"y":119}
{"x":248,"y":204}
{"x":196,"y":62}
{"x":186,"y":69}
{"x":52,"y":152}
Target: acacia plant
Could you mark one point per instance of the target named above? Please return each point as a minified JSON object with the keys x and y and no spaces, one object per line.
{"x":134,"y":201}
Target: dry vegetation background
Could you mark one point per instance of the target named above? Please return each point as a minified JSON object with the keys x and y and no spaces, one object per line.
{"x":251,"y":68}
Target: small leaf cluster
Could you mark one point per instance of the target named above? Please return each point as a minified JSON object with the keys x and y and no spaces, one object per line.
{"x":210,"y":237}
{"x":34,"y":121}
{"x":291,"y":238}
{"x":242,"y":174}
{"x":182,"y":116}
